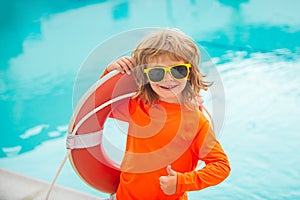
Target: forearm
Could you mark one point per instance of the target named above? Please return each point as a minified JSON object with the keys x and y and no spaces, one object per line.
{"x":216,"y":170}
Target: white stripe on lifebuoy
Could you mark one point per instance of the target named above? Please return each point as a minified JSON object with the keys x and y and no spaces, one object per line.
{"x":85,"y":131}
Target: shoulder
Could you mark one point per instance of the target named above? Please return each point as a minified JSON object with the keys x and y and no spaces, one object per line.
{"x":136,"y":103}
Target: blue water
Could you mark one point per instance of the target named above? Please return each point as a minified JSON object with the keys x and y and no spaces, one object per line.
{"x":255,"y":45}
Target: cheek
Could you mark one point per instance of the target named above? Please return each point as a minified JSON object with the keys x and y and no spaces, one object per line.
{"x":154,"y":87}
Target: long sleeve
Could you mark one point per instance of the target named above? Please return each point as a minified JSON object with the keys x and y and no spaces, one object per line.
{"x":104,"y":73}
{"x":216,"y":168}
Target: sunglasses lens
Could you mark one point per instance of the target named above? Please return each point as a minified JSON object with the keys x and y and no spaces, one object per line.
{"x":179,"y":71}
{"x":156,"y":74}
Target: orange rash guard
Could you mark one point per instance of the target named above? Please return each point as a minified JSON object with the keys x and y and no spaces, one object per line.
{"x":167,"y":134}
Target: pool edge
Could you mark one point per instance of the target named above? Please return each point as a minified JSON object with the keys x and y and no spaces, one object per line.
{"x":18,"y":186}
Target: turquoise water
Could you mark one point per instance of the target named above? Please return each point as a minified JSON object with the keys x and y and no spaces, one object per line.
{"x":255,"y":45}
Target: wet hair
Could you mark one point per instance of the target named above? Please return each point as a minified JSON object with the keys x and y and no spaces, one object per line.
{"x":177,"y":46}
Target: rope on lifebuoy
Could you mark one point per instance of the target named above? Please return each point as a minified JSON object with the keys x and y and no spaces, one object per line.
{"x":57,"y":173}
{"x":88,"y":115}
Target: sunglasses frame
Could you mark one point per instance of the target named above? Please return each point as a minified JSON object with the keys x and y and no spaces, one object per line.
{"x":167,"y":69}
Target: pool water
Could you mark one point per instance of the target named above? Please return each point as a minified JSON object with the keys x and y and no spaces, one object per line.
{"x":254,"y":44}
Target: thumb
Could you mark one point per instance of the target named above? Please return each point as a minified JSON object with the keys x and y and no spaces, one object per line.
{"x":170,"y":171}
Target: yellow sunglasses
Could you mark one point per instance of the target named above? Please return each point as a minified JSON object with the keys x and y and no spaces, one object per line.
{"x":158,"y":73}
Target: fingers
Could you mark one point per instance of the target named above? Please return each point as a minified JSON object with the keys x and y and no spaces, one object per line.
{"x":168,"y":184}
{"x":130,"y":63}
{"x":163,"y":183}
{"x":124,"y":65}
{"x":170,"y":171}
{"x":162,"y":179}
{"x":169,"y":168}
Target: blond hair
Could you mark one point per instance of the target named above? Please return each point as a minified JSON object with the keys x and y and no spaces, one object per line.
{"x":176,"y":45}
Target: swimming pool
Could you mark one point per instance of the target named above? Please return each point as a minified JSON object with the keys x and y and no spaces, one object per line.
{"x":255,"y":45}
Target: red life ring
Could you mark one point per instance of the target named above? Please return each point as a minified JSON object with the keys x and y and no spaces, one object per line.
{"x":86,"y":130}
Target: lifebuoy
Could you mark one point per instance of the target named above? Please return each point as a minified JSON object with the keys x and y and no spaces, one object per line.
{"x":86,"y":130}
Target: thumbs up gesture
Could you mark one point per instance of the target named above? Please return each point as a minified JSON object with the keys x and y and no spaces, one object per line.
{"x":168,"y":183}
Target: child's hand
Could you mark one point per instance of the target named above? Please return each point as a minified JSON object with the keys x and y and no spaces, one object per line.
{"x":168,"y":183}
{"x":123,"y":64}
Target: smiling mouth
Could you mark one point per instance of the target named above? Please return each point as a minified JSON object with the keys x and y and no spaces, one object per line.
{"x":168,"y":87}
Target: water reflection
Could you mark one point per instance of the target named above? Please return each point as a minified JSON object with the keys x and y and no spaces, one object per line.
{"x":22,"y":19}
{"x":256,"y":45}
{"x":47,"y":43}
{"x":234,"y":4}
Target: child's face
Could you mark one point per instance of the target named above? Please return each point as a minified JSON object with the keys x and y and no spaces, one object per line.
{"x":170,"y":89}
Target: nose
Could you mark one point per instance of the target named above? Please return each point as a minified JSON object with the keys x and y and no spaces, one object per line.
{"x":168,"y":77}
